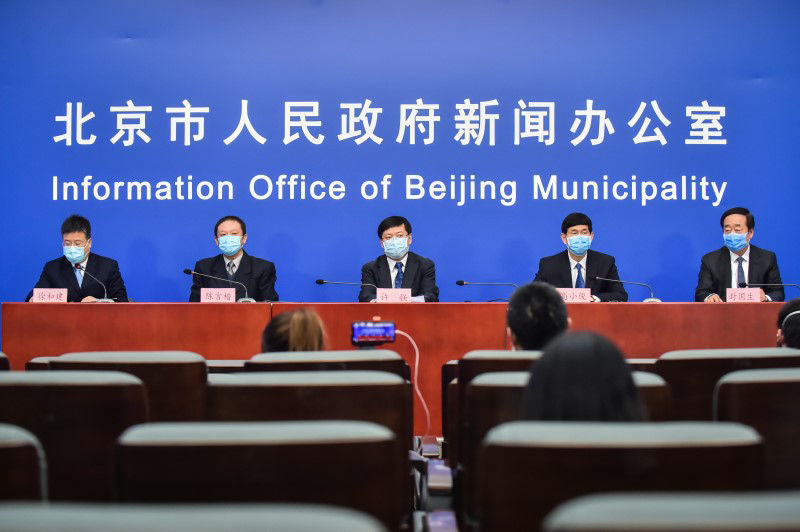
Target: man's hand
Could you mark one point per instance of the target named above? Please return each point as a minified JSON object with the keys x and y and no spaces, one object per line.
{"x":763,"y":295}
{"x":713,"y":298}
{"x":88,"y":299}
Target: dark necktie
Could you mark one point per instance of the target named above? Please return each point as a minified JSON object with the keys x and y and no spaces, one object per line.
{"x":398,"y":280}
{"x":740,"y":273}
{"x":579,"y":279}
{"x":231,"y":269}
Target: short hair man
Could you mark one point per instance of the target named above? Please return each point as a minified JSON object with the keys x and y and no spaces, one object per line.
{"x":578,"y":266}
{"x":78,"y":270}
{"x":789,"y":324}
{"x":737,"y":262}
{"x":398,"y":267}
{"x":535,"y":315}
{"x":234,"y":264}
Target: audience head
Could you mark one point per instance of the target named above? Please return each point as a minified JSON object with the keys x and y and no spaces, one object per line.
{"x":536,"y":314}
{"x":789,"y":324}
{"x":581,"y":376}
{"x":295,"y":330}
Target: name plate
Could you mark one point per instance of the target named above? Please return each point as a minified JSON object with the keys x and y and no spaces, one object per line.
{"x":49,"y":295}
{"x":393,"y":295}
{"x":743,"y":294}
{"x":575,"y":295}
{"x":217,"y":295}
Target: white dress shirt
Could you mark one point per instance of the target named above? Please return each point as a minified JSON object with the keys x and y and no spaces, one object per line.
{"x":574,"y":270}
{"x":393,"y":270}
{"x":735,"y":267}
{"x":235,"y":261}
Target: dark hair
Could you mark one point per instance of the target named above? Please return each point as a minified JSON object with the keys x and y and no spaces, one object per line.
{"x":575,"y":218}
{"x":536,"y":314}
{"x":77,"y":224}
{"x":790,"y":327}
{"x":581,"y":376}
{"x":295,"y":330}
{"x":393,"y":221}
{"x":751,"y":221}
{"x":233,"y":219}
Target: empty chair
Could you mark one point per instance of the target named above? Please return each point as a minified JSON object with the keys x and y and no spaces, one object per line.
{"x":527,"y":468}
{"x":183,"y":518}
{"x":38,"y":363}
{"x":769,"y":401}
{"x":377,"y":396}
{"x":23,"y":464}
{"x":642,"y":364}
{"x":679,"y":511}
{"x":77,"y":416}
{"x":175,"y":380}
{"x":355,"y":359}
{"x":655,"y":395}
{"x":225,"y":366}
{"x":692,"y":374}
{"x":4,"y":365}
{"x":347,"y":463}
{"x":449,"y":372}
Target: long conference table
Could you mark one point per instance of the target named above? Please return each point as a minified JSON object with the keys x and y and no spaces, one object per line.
{"x":442,"y":331}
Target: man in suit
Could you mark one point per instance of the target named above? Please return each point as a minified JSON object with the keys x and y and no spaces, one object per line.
{"x":78,"y":270}
{"x":398,"y":267}
{"x":737,"y":262}
{"x":258,"y":275}
{"x":578,"y":266}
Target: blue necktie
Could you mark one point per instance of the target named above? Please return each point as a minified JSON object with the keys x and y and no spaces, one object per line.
{"x":740,"y":273}
{"x":398,"y":280}
{"x":579,"y":279}
{"x":79,"y":277}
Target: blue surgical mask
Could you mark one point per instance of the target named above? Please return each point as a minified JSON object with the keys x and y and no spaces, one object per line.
{"x":230,"y":244}
{"x":578,"y":244}
{"x":75,"y":254}
{"x":396,"y":248}
{"x":735,"y":241}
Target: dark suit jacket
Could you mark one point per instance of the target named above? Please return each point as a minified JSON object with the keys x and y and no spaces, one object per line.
{"x":419,"y":275}
{"x":715,"y":273}
{"x":555,"y":270}
{"x":59,"y":273}
{"x":258,"y":275}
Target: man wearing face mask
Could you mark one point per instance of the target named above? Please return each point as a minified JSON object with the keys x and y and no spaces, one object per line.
{"x":77,"y":267}
{"x":398,"y":267}
{"x":737,"y":262}
{"x":258,"y":275}
{"x":577,"y":266}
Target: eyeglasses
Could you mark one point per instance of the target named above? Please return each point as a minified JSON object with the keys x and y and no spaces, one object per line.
{"x":389,"y":237}
{"x":78,"y":243}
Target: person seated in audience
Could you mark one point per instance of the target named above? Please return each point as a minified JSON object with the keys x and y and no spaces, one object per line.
{"x":581,"y":376}
{"x":578,"y":266}
{"x":234,"y":263}
{"x":535,"y":315}
{"x":398,"y":267}
{"x":79,"y":271}
{"x":789,"y":324}
{"x":737,"y":262}
{"x":295,"y":330}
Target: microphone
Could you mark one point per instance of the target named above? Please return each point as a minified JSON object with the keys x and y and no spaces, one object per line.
{"x":651,"y":299}
{"x":748,"y":285}
{"x":244,"y":299}
{"x":323,"y":281}
{"x":105,"y":292}
{"x":465,"y":283}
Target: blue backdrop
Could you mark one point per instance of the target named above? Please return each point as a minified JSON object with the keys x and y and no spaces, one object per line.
{"x":741,"y":57}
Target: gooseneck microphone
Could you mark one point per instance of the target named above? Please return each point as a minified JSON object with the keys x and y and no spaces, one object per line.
{"x":651,"y":299}
{"x":465,"y":283}
{"x":244,"y":299}
{"x":323,"y":281}
{"x":105,"y":292}
{"x":749,"y":285}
